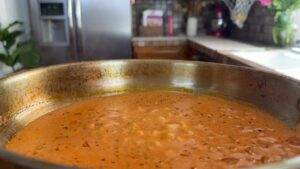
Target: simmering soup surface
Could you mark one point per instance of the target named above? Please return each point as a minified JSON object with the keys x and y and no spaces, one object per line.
{"x":157,"y":129}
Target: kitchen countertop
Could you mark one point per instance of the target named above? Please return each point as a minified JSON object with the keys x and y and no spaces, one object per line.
{"x":159,"y":38}
{"x":221,"y":44}
{"x":282,"y":61}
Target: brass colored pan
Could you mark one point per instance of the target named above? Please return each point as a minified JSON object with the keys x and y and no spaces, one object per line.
{"x":26,"y":96}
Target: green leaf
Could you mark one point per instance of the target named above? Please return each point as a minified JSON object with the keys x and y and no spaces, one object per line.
{"x":295,"y":5}
{"x":27,"y":55}
{"x":12,"y":59}
{"x":7,"y":37}
{"x":275,"y":35}
{"x":3,"y":35}
{"x":11,"y":38}
{"x":13,"y":24}
{"x":277,"y":5}
{"x":3,"y":58}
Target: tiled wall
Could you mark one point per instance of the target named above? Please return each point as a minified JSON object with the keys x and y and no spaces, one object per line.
{"x":141,"y":5}
{"x":258,"y":27}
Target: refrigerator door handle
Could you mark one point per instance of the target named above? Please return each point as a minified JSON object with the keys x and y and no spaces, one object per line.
{"x":72,"y":28}
{"x":78,"y":23}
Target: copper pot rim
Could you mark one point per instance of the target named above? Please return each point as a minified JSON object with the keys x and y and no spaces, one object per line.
{"x":35,"y":163}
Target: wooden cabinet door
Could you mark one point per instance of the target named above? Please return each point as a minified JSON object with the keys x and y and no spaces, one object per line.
{"x":161,"y":52}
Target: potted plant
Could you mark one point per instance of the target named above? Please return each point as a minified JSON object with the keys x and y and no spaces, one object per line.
{"x":284,"y":30}
{"x":15,"y":54}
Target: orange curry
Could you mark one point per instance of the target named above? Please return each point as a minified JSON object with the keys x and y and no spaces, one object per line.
{"x":157,"y":129}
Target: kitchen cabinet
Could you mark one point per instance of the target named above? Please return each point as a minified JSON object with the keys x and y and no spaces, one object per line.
{"x":179,"y":48}
{"x":179,"y":52}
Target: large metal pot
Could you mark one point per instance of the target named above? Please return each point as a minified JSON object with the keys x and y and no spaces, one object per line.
{"x":28,"y":95}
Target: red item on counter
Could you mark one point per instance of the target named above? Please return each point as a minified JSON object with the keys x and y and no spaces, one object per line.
{"x":170,"y":26}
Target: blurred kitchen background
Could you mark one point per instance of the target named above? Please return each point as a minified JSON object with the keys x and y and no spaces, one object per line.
{"x":237,"y":32}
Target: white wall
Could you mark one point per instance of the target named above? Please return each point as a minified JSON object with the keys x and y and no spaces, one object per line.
{"x":297,"y":19}
{"x":12,"y":10}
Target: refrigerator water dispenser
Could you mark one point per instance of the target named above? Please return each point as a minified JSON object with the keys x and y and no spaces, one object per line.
{"x":54,"y":29}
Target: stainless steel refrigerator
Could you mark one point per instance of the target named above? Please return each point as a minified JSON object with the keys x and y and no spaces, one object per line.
{"x":76,"y":30}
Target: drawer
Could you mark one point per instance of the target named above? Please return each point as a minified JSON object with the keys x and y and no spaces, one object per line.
{"x":161,"y":52}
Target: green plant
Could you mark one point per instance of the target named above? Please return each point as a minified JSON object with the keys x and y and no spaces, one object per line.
{"x":14,"y":50}
{"x":284,"y":30}
{"x":285,"y":5}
